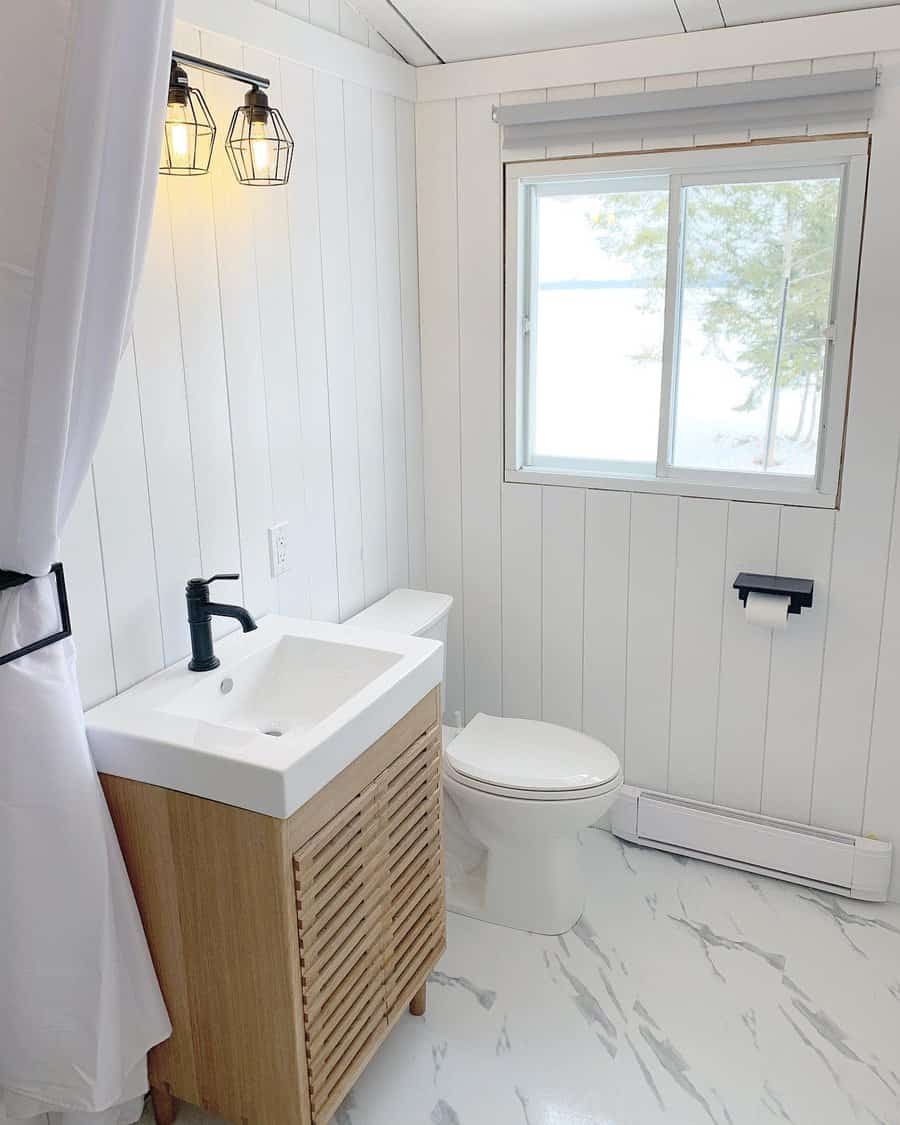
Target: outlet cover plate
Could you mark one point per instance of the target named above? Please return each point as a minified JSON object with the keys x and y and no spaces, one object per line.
{"x":279,"y":553}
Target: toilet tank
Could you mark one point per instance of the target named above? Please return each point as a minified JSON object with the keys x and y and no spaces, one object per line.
{"x":417,"y":613}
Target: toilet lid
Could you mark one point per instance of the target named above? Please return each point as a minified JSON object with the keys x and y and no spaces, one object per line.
{"x":530,"y":755}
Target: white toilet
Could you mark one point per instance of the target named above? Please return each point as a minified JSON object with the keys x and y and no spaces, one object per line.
{"x":522,"y":790}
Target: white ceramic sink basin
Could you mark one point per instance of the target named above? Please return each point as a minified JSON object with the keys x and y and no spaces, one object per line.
{"x":288,"y":686}
{"x":290,"y":706}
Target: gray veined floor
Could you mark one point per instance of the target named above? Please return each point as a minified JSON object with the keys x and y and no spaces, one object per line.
{"x":687,"y":994}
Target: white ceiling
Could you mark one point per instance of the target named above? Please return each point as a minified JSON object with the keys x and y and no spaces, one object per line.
{"x":759,"y":11}
{"x":466,"y":29}
{"x":430,"y":31}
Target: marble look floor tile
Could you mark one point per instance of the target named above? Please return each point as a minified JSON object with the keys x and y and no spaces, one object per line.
{"x":688,"y":994}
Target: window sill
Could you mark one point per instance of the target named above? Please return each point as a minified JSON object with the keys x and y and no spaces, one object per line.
{"x":765,"y":495}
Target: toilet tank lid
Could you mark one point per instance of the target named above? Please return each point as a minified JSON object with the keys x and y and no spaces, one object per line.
{"x":404,"y":611}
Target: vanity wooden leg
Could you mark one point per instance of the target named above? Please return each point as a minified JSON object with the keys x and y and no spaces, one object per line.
{"x":417,"y":1004}
{"x":165,"y":1105}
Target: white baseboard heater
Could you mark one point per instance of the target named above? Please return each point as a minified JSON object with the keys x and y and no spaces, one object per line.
{"x":830,"y":861}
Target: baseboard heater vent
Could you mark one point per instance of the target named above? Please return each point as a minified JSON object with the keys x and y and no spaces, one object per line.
{"x":831,"y":861}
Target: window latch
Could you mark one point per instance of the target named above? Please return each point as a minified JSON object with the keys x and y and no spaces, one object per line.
{"x":526,"y":325}
{"x":828,"y":334}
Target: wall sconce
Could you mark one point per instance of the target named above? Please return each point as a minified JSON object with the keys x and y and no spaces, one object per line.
{"x":189,"y":131}
{"x":259,"y":146}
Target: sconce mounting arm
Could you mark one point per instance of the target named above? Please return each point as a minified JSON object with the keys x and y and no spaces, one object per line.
{"x":220,"y":68}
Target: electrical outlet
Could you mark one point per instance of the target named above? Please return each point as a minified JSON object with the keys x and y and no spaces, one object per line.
{"x":279,"y":560}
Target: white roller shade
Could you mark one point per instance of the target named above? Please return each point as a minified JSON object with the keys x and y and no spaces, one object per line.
{"x":769,"y":102}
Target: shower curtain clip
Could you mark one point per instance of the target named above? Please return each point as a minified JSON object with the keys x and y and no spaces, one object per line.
{"x":9,"y":579}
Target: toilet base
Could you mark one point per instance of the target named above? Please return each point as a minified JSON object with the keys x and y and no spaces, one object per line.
{"x":539,"y":891}
{"x":517,"y":861}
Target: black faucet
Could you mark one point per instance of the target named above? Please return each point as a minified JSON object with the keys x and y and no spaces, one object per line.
{"x":200,"y":611}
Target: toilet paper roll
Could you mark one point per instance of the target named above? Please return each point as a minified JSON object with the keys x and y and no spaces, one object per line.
{"x":767,"y":610}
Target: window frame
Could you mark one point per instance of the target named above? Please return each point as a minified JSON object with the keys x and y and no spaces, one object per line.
{"x":679,"y":169}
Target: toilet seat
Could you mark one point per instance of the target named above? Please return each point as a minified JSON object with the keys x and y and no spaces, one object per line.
{"x":531,"y":760}
{"x":531,"y":794}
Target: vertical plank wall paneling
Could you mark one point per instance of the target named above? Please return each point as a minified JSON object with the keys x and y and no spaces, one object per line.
{"x":167,"y":438}
{"x":319,"y":546}
{"x":236,"y":256}
{"x":884,"y":761}
{"x":626,"y":624}
{"x":366,"y":345}
{"x":804,"y":544}
{"x":339,"y":340}
{"x":412,"y":369}
{"x":607,"y":522}
{"x":521,"y":600}
{"x":123,"y":510}
{"x":203,"y":356}
{"x":863,"y":531}
{"x":439,"y":309}
{"x":480,"y":208}
{"x":279,"y":361}
{"x":390,"y":338}
{"x":745,"y":660}
{"x":697,"y":645}
{"x":651,"y":620}
{"x":236,"y":401}
{"x":562,"y":604}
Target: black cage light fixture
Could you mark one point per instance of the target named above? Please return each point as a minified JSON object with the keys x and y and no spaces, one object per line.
{"x":189,"y":131}
{"x":259,"y":146}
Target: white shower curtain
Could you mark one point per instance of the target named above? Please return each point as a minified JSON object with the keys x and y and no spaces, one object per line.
{"x":84,"y":91}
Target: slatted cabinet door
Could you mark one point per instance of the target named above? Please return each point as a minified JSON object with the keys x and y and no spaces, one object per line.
{"x":340,"y":878}
{"x":415,"y":874}
{"x":370,"y":910}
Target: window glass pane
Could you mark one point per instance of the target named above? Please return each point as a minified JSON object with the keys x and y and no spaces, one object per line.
{"x":597,"y":325}
{"x":750,"y":347}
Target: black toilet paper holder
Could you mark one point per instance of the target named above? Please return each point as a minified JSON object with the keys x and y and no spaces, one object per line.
{"x":799,"y":590}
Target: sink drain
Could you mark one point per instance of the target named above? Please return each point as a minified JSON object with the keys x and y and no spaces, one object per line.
{"x":272,"y":732}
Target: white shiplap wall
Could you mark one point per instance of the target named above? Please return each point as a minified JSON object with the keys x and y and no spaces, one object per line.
{"x":613,"y":612}
{"x":273,"y":375}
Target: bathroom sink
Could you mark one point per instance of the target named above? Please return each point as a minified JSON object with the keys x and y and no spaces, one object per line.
{"x":287,"y":686}
{"x":290,"y":706}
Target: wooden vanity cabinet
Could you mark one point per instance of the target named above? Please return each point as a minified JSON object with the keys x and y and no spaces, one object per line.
{"x":287,"y":949}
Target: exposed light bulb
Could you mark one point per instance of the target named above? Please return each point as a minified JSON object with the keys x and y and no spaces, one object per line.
{"x":178,"y":136}
{"x":260,"y":149}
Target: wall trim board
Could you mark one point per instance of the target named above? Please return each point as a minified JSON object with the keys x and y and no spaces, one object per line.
{"x":257,"y":25}
{"x":842,"y":33}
